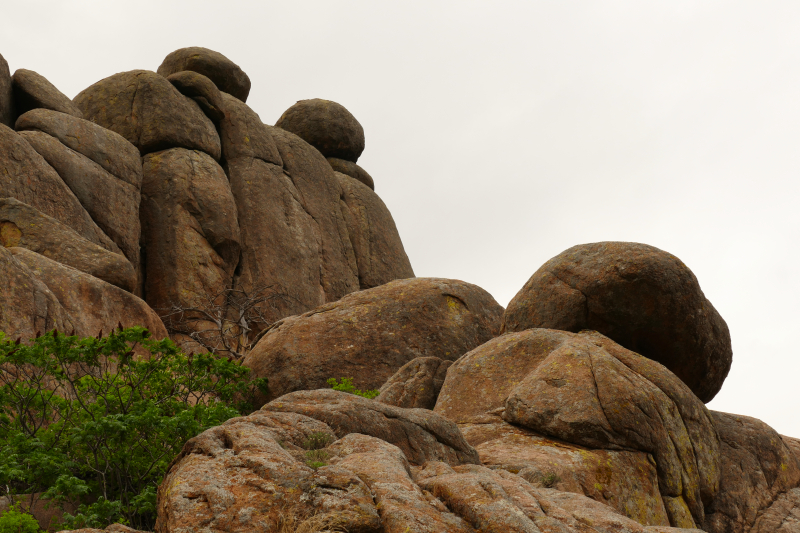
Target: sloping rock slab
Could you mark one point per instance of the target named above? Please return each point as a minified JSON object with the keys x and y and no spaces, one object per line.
{"x":108,"y":149}
{"x":26,"y":176}
{"x":353,"y":170}
{"x":149,"y":112}
{"x":32,"y":91}
{"x":6,"y":95}
{"x":92,"y":304}
{"x":200,"y":89}
{"x":376,"y":242}
{"x":371,"y":334}
{"x":112,"y":203}
{"x":27,"y":306}
{"x":421,"y":434}
{"x":783,"y":516}
{"x":22,"y":225}
{"x":416,"y":384}
{"x":643,"y":298}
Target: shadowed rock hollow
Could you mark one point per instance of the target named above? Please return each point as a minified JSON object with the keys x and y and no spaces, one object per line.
{"x":162,"y":199}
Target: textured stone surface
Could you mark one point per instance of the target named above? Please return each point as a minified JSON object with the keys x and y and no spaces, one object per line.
{"x":415,"y":384}
{"x":7,"y":113}
{"x":200,"y":89}
{"x":783,"y":516}
{"x":26,"y":176}
{"x":244,"y":135}
{"x":353,"y":170}
{"x":33,"y":91}
{"x":757,"y":466}
{"x":112,"y":203}
{"x":106,"y":148}
{"x":149,"y":112}
{"x":27,"y":306}
{"x":190,"y":229}
{"x":369,"y":335}
{"x":23,"y":226}
{"x":92,"y":304}
{"x":377,"y":246}
{"x":587,"y":390}
{"x":625,"y":480}
{"x":327,"y":126}
{"x":643,"y":298}
{"x":225,"y":74}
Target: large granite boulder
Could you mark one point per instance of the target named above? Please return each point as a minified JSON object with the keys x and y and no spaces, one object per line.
{"x":108,"y":149}
{"x":190,"y":230}
{"x":369,"y":335}
{"x":327,"y":126}
{"x":26,"y":176}
{"x":33,"y":91}
{"x":91,"y":304}
{"x":353,"y":170}
{"x":325,"y":460}
{"x":585,"y":389}
{"x":23,"y":226}
{"x":112,"y":203}
{"x":225,"y":74}
{"x":378,"y":250}
{"x":149,"y":112}
{"x":7,"y":113}
{"x":641,"y":297}
{"x":200,"y":89}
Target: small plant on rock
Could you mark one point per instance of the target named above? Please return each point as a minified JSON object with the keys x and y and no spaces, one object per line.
{"x":317,"y":441}
{"x":550,"y":479}
{"x":346,"y":385}
{"x":316,"y":458}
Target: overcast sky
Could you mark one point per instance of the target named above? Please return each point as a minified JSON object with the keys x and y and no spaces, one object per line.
{"x":501,"y":133}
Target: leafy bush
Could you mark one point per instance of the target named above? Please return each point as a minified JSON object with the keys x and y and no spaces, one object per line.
{"x":15,"y":521}
{"x":88,"y":421}
{"x":346,"y":385}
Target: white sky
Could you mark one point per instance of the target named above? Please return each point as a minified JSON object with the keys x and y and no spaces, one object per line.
{"x":501,"y":133}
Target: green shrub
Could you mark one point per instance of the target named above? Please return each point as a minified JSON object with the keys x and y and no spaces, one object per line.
{"x":87,"y":421}
{"x":15,"y":521}
{"x":346,"y":385}
{"x":316,"y":458}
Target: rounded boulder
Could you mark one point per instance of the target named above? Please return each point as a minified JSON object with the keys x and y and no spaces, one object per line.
{"x":327,"y":126}
{"x":368,"y":335}
{"x":643,"y":298}
{"x":226,"y":75}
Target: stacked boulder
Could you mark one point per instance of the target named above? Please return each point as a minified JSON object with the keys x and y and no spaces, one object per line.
{"x":168,"y":187}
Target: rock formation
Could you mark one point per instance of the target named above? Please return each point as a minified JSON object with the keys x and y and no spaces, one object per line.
{"x":156,"y":197}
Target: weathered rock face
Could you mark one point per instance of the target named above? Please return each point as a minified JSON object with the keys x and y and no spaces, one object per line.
{"x":327,"y":126}
{"x":757,"y":467}
{"x":587,"y":390}
{"x":190,"y":229}
{"x":378,"y":250}
{"x":349,"y":168}
{"x":335,"y":460}
{"x":26,"y":176}
{"x":783,"y":516}
{"x":225,"y":74}
{"x":200,"y":89}
{"x":149,"y":112}
{"x":92,"y":304}
{"x":27,"y":306}
{"x":105,"y":147}
{"x":369,"y":335}
{"x":416,"y":384}
{"x":6,"y":95}
{"x":23,"y":226}
{"x":624,"y":480}
{"x":112,"y":203}
{"x":33,"y":91}
{"x":643,"y":298}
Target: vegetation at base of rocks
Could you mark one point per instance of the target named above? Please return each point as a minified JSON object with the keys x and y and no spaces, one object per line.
{"x":294,"y":521}
{"x":13,"y":520}
{"x":317,"y":440}
{"x":96,"y":421}
{"x":550,"y":479}
{"x":346,"y":385}
{"x":316,"y":458}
